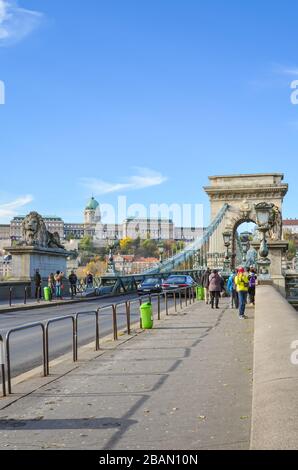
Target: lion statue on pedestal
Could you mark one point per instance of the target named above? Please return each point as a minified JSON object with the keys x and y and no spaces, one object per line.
{"x":35,"y":233}
{"x":275,"y":222}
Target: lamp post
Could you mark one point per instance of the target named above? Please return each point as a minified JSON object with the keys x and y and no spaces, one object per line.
{"x":263,"y":212}
{"x":244,"y":239}
{"x":296,"y":262}
{"x":227,"y":238}
{"x":196,"y":260}
{"x":161,"y":252}
{"x":217,"y":262}
{"x":112,"y":245}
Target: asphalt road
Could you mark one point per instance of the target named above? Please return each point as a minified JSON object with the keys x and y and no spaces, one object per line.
{"x":26,"y":346}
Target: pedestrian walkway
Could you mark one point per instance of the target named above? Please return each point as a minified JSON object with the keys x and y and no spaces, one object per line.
{"x":187,"y":384}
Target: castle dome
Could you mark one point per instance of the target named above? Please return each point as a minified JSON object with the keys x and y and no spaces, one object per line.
{"x":92,"y":205}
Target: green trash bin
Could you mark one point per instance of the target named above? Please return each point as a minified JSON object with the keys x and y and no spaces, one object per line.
{"x":200,"y":293}
{"x":47,"y":294}
{"x":146,"y":316}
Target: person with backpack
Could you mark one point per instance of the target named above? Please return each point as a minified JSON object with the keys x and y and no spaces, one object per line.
{"x":252,"y":286}
{"x":215,"y":288}
{"x":205,"y":284}
{"x":242,"y":285}
{"x":231,"y":287}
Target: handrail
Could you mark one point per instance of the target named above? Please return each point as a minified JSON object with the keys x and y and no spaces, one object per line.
{"x":7,"y":341}
{"x":91,"y":312}
{"x":189,"y":294}
{"x":2,"y":362}
{"x":74,"y":338}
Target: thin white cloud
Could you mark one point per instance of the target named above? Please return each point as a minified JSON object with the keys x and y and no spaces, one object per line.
{"x":293,"y":71}
{"x":144,"y":179}
{"x":16,"y":22}
{"x":10,"y":209}
{"x":285,"y":70}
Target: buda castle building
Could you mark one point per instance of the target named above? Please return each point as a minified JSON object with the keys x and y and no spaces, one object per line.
{"x":155,"y":229}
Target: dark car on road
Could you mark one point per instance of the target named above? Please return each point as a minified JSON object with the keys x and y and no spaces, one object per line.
{"x":150,"y":286}
{"x":178,"y":282}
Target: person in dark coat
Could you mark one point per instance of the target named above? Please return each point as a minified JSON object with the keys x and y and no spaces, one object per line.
{"x":89,"y":280}
{"x":37,"y":282}
{"x":215,"y":288}
{"x":205,"y":283}
{"x":73,"y":279}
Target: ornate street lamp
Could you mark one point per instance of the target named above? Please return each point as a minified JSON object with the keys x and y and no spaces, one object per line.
{"x":112,"y":245}
{"x":244,"y":240}
{"x":263,"y":213}
{"x":196,"y":260}
{"x":161,"y":252}
{"x":227,"y":237}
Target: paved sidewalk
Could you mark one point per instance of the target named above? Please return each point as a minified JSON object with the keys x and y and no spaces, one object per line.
{"x":184,"y":385}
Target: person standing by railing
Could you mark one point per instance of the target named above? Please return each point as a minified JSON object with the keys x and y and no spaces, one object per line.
{"x":205,"y":283}
{"x":51,"y":283}
{"x":37,"y":282}
{"x":89,"y":281}
{"x":73,"y":283}
{"x":58,"y":284}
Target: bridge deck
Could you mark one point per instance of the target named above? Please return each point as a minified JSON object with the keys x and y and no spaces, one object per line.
{"x":184,"y":385}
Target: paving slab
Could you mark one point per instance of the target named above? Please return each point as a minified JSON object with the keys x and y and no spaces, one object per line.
{"x":186,"y":384}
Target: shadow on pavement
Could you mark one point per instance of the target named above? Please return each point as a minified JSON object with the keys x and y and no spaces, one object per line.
{"x":49,"y":424}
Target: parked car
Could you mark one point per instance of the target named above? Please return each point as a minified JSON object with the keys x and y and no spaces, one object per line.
{"x":177,"y":282}
{"x":150,"y":286}
{"x":97,"y":291}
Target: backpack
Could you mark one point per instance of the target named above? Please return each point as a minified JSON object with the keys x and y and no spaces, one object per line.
{"x":252,"y":281}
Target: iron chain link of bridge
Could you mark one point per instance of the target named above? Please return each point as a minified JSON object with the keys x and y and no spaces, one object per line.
{"x":5,"y":349}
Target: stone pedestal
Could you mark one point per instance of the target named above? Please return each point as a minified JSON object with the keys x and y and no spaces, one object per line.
{"x":26,"y":259}
{"x":277,"y":252}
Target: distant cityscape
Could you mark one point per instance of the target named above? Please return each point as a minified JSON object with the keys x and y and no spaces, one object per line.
{"x":71,"y":234}
{"x":92,"y":227}
{"x":155,"y":229}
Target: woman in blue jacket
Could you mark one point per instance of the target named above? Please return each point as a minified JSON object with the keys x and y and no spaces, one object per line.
{"x":234,"y":302}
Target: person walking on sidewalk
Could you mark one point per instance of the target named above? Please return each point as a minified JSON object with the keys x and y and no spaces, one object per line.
{"x":231,"y":286}
{"x":37,"y":282}
{"x":242,"y":284}
{"x":205,"y":283}
{"x":215,"y":288}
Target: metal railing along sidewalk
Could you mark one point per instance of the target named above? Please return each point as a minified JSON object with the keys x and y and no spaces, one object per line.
{"x":162,"y":298}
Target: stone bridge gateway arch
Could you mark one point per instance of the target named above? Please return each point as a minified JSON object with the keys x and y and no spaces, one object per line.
{"x":241,"y":193}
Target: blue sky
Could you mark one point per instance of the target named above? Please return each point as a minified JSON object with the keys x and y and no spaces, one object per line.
{"x":143,"y":98}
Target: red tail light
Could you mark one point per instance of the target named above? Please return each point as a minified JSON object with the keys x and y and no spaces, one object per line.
{"x":165,"y":285}
{"x":183,"y":285}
